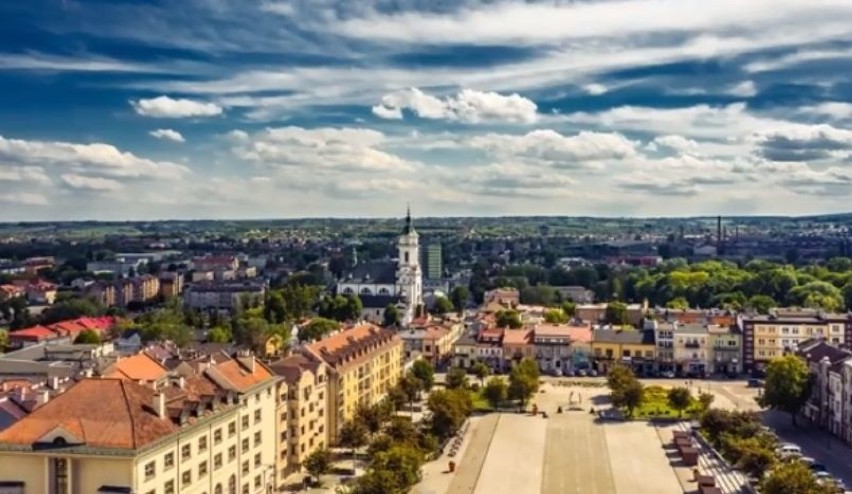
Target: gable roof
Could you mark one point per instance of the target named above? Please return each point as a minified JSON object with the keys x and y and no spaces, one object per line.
{"x":628,"y":336}
{"x":239,"y":374}
{"x":374,"y":272}
{"x":139,"y":367}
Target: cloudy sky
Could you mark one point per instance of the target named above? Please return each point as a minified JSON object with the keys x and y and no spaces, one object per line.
{"x":132,"y":109}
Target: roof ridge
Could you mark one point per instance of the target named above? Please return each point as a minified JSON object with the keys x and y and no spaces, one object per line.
{"x":123,"y":384}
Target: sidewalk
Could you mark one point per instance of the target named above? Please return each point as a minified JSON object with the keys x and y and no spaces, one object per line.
{"x":728,"y":479}
{"x":469,"y":459}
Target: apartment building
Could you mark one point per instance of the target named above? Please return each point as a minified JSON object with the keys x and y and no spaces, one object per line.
{"x":302,"y":414}
{"x":664,"y":341}
{"x":562,"y":347}
{"x":199,"y":435}
{"x":726,"y":349}
{"x":364,"y":362}
{"x":634,"y":348}
{"x":767,"y":336}
{"x":225,"y":296}
{"x":692,"y":350}
{"x":433,"y":342}
{"x":171,"y":284}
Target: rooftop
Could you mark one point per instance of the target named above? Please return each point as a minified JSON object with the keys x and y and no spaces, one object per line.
{"x":627,"y":336}
{"x":139,"y":367}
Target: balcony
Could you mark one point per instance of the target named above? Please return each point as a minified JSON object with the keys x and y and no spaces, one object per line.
{"x":692,"y":344}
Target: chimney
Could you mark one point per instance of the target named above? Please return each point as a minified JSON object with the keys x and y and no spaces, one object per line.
{"x":54,"y":383}
{"x":181,"y":382}
{"x":43,"y":397}
{"x":160,"y":405}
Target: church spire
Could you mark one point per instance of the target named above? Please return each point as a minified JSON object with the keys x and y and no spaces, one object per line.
{"x":409,"y":228}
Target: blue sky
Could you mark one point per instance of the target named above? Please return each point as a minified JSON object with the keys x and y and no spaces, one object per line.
{"x":130,"y":109}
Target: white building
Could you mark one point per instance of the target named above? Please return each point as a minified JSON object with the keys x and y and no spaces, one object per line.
{"x":379,"y":284}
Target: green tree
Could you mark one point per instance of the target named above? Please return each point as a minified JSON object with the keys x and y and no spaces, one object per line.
{"x":402,"y":430}
{"x":618,"y":377}
{"x":318,"y":463}
{"x":340,"y":307}
{"x":523,"y":381}
{"x":790,"y":477}
{"x":391,"y":316}
{"x":88,"y":336}
{"x":424,"y":372}
{"x":555,"y":316}
{"x":678,"y":303}
{"x":4,"y":340}
{"x":761,"y":303}
{"x":219,"y":334}
{"x":275,"y":308}
{"x":442,"y":305}
{"x":847,"y":296}
{"x":495,"y":392}
{"x":393,"y":471}
{"x":456,"y":378}
{"x":353,"y":435}
{"x":787,"y":385}
{"x":706,"y":401}
{"x":569,"y":308}
{"x":616,"y":314}
{"x":317,"y":328}
{"x":411,"y":387}
{"x":448,"y":410}
{"x":71,"y":309}
{"x":754,"y":457}
{"x":509,"y":318}
{"x":481,"y":371}
{"x":459,"y":296}
{"x":374,"y":416}
{"x":631,"y":397}
{"x":679,"y":399}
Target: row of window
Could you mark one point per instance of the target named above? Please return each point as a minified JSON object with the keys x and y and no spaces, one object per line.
{"x":169,"y":488}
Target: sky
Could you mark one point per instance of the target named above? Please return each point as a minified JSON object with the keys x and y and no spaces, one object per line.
{"x":159,"y":109}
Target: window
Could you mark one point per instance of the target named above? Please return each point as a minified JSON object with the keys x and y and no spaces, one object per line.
{"x":245,"y":445}
{"x":245,"y":422}
{"x":257,"y":397}
{"x":217,"y":461}
{"x":217,"y":436}
{"x":245,"y":489}
{"x":257,"y":437}
{"x":232,"y":453}
{"x":202,"y":444}
{"x":245,"y":467}
{"x":257,"y":416}
{"x":150,"y":470}
{"x":170,"y":487}
{"x":60,"y":480}
{"x":186,"y":477}
{"x":257,"y":460}
{"x":185,"y":451}
{"x":256,"y":481}
{"x":232,"y":429}
{"x":202,"y":469}
{"x":169,"y":460}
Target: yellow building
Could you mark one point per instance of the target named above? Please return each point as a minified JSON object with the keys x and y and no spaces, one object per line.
{"x":301,"y":418}
{"x":765,"y":337}
{"x":199,"y":435}
{"x":364,"y":362}
{"x":634,"y":348}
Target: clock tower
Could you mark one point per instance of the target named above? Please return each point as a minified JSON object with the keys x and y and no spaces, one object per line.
{"x":409,"y":277}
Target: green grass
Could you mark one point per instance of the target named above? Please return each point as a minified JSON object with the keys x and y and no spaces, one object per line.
{"x":480,"y":404}
{"x":656,"y":405}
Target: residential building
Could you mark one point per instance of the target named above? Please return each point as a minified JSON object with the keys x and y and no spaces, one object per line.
{"x":726,"y":349}
{"x":507,"y":297}
{"x":489,"y":348}
{"x":562,"y":347}
{"x":33,"y":265}
{"x":104,"y":292}
{"x":596,"y":313}
{"x":224,"y":296}
{"x":692,"y":351}
{"x":664,"y":341}
{"x":465,"y":350}
{"x":364,"y":362}
{"x":41,"y":292}
{"x":302,"y":411}
{"x":767,"y":336}
{"x":825,"y":362}
{"x":171,"y":284}
{"x":215,"y":263}
{"x":434,"y":261}
{"x":145,"y":288}
{"x":119,"y":266}
{"x":433,"y":342}
{"x":8,"y":292}
{"x":518,"y":345}
{"x":634,"y":348}
{"x":576,"y":294}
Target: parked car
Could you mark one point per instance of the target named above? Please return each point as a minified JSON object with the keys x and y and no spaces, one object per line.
{"x":582,"y":373}
{"x":789,"y":450}
{"x":593,"y":373}
{"x":668,"y":374}
{"x":755,"y":383}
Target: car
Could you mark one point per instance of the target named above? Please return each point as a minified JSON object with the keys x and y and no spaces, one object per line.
{"x":593,"y":373}
{"x":668,"y":374}
{"x":582,"y":373}
{"x":823,"y":476}
{"x":569,"y":373}
{"x":755,"y":383}
{"x":789,"y":450}
{"x":557,"y":372}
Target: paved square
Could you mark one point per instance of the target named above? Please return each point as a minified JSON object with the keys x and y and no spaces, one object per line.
{"x":638,"y":460}
{"x":514,"y":462}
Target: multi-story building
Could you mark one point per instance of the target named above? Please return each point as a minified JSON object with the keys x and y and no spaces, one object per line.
{"x":634,"y":348}
{"x":557,"y":344}
{"x":596,"y":313}
{"x":664,"y":340}
{"x":767,"y":336}
{"x":41,"y":292}
{"x":145,"y":288}
{"x":224,"y":296}
{"x":364,"y":362}
{"x":302,"y":415}
{"x":726,"y":349}
{"x":517,"y":345}
{"x":825,"y":362}
{"x":434,"y":261}
{"x":508,"y":297}
{"x":104,"y":292}
{"x":200,"y":435}
{"x":119,"y":266}
{"x":433,"y":342}
{"x":171,"y":284}
{"x":692,"y":350}
{"x":215,"y":263}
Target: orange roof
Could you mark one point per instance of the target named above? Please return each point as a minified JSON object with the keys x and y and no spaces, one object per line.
{"x":436,"y":332}
{"x":346,"y":337}
{"x":140,"y":367}
{"x":33,"y":333}
{"x":517,"y":336}
{"x":239,"y":374}
{"x":102,"y":413}
{"x":576,"y":333}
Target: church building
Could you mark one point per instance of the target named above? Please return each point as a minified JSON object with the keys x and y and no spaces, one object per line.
{"x":398,"y":282}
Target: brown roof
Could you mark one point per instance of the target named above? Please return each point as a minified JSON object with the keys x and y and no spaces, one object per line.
{"x":517,"y":336}
{"x":576,"y":333}
{"x":140,"y":367}
{"x":239,"y":374}
{"x":334,"y":347}
{"x":102,"y":413}
{"x":292,"y":367}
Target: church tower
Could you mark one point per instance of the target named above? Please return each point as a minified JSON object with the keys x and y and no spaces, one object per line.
{"x":409,"y":277}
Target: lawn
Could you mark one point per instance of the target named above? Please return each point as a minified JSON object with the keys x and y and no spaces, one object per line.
{"x":480,"y":404}
{"x":656,"y":405}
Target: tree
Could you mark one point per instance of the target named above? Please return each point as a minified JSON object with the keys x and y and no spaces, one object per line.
{"x":88,"y":336}
{"x":411,"y":387}
{"x":448,"y":410}
{"x":219,"y":334}
{"x":373,"y":417}
{"x":393,"y":471}
{"x":353,"y":434}
{"x":678,"y":303}
{"x":523,"y":381}
{"x":481,"y":371}
{"x":318,"y":463}
{"x":761,"y":303}
{"x":397,"y":397}
{"x":569,"y":308}
{"x":317,"y":329}
{"x":495,"y":392}
{"x":787,"y":385}
{"x":793,"y":476}
{"x":847,"y":296}
{"x":679,"y":399}
{"x":456,"y":378}
{"x":274,"y":308}
{"x":459,"y":296}
{"x":340,"y":307}
{"x":4,"y":340}
{"x":630,"y":397}
{"x":424,"y":373}
{"x":442,"y":305}
{"x":753,"y":456}
{"x":616,"y":314}
{"x":706,"y":400}
{"x":71,"y":309}
{"x":618,"y":377}
{"x":509,"y":318}
{"x":402,"y":430}
{"x":555,"y":316}
{"x":391,"y":316}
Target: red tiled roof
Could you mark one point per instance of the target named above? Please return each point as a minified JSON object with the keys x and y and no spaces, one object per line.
{"x":576,"y":333}
{"x":140,"y":367}
{"x":517,"y":336}
{"x":33,"y":333}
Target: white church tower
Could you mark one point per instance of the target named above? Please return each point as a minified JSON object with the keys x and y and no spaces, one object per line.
{"x":409,"y":277}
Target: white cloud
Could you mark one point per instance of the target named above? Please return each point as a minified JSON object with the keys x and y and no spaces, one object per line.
{"x":166,"y":107}
{"x":91,"y":183}
{"x":797,"y":58}
{"x":595,"y":89}
{"x":95,"y":158}
{"x":468,"y":106}
{"x":32,"y":174}
{"x":23,"y":199}
{"x":676,"y":143}
{"x":834,"y":109}
{"x":168,"y":134}
{"x":582,"y":150}
{"x":53,"y":63}
{"x":745,"y":89}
